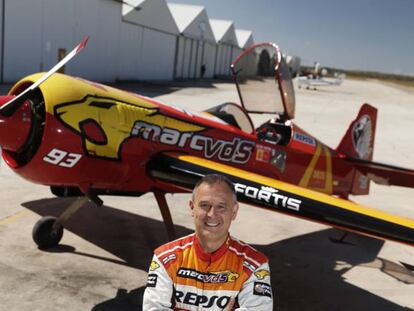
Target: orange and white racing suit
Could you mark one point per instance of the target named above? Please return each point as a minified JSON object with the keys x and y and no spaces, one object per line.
{"x":183,"y":277}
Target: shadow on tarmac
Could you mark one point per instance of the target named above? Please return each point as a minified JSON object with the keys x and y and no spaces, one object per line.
{"x":307,"y":270}
{"x":153,"y":89}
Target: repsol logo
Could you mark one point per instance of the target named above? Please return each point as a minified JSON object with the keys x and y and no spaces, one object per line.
{"x":304,"y":139}
{"x":193,"y":299}
{"x":210,"y":277}
{"x":268,"y":195}
{"x":237,"y":150}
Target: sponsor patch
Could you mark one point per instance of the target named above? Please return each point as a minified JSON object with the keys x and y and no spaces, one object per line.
{"x":262,"y":274}
{"x":279,"y":159}
{"x":168,"y":259}
{"x":262,"y":289}
{"x":152,"y":280}
{"x":209,"y":277}
{"x":249,"y":266}
{"x":263,"y":153}
{"x":207,"y":302}
{"x":154,"y":265}
{"x":269,"y":196}
{"x":304,"y":139}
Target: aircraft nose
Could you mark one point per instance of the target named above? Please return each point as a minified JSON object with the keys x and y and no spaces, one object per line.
{"x":15,"y":129}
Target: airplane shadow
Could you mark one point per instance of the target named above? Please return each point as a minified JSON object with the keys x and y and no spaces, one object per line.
{"x":307,"y":270}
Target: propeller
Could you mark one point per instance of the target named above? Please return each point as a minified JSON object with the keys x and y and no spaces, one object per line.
{"x":13,"y":104}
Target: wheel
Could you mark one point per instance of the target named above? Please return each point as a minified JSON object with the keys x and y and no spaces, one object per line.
{"x":44,"y":234}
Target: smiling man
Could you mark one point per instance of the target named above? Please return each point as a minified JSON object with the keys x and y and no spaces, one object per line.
{"x":209,"y":269}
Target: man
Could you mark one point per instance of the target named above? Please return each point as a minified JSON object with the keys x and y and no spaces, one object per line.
{"x":209,"y":269}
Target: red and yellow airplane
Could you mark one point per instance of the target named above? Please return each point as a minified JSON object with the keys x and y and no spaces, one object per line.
{"x":88,"y":139}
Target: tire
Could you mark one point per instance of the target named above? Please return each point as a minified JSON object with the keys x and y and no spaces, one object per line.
{"x":43,"y":234}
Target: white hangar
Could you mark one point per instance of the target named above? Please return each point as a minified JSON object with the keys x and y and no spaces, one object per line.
{"x":129,"y":39}
{"x":147,"y":43}
{"x":196,"y":43}
{"x":227,"y":45}
{"x":36,"y":33}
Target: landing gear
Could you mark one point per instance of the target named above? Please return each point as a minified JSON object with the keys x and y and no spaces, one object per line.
{"x":166,"y":215}
{"x":48,"y":231}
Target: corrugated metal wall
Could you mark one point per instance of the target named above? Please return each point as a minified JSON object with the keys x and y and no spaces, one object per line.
{"x":37,"y":33}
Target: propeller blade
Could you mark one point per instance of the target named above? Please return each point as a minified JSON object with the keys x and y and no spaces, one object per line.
{"x":11,"y":106}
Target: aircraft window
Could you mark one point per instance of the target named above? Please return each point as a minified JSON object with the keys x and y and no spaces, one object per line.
{"x":234,"y":115}
{"x":275,"y":132}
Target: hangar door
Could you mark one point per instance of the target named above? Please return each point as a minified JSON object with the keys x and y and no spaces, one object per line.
{"x":190,"y":58}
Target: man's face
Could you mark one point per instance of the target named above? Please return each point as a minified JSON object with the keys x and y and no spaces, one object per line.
{"x":213,"y":209}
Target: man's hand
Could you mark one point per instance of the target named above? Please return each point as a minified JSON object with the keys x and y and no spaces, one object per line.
{"x":230,"y":306}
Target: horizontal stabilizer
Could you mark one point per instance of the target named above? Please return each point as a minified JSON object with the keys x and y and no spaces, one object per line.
{"x":384,"y":174}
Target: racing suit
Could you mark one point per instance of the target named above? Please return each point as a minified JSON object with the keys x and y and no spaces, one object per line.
{"x":183,"y":277}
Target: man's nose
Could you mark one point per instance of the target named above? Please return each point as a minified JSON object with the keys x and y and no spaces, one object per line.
{"x":211,"y":212}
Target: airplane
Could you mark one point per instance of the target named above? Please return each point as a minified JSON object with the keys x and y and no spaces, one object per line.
{"x":314,"y":82}
{"x":87,"y":139}
{"x":316,"y":78}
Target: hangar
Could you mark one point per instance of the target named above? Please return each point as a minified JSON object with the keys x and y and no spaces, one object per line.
{"x":148,"y":38}
{"x":226,"y":44}
{"x":36,"y":34}
{"x":196,"y":43}
{"x":244,"y":38}
{"x":129,"y":40}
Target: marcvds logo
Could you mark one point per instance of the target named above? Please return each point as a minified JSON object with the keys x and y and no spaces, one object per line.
{"x":209,"y":277}
{"x":237,"y":150}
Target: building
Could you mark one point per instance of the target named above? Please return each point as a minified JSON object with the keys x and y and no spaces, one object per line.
{"x":225,"y":36}
{"x":148,"y":40}
{"x":129,"y":39}
{"x":196,"y":44}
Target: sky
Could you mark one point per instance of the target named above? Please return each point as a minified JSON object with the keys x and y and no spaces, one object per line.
{"x":372,"y":35}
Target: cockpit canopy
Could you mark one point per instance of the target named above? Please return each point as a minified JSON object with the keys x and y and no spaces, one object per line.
{"x":234,"y":115}
{"x":263,"y":81}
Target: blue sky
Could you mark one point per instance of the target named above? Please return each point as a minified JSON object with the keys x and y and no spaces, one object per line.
{"x":375,"y":35}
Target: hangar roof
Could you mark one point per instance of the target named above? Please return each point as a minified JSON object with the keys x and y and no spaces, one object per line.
{"x":192,"y":21}
{"x":224,"y":31}
{"x":152,"y":14}
{"x":244,"y":38}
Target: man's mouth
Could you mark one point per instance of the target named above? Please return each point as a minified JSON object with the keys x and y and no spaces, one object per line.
{"x":211,"y":224}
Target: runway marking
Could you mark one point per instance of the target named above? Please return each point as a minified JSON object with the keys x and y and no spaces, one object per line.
{"x":9,"y":219}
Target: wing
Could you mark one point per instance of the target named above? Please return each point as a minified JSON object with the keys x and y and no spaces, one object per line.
{"x":384,"y":174}
{"x":275,"y":195}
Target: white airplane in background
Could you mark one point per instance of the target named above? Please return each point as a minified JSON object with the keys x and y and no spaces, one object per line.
{"x":314,"y":82}
{"x":317,"y":78}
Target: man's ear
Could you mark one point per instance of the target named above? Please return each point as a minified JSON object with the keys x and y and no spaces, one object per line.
{"x":191,"y":205}
{"x":235,"y":210}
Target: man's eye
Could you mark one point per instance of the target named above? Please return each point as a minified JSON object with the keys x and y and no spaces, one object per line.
{"x":204,"y":205}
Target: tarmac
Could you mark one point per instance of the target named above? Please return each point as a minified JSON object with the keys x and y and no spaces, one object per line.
{"x":103,"y":257}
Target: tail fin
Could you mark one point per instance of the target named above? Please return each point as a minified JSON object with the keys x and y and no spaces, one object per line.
{"x":358,"y":142}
